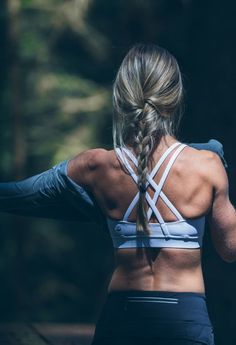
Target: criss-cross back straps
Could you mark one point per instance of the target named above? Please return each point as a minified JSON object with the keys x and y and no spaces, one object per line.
{"x":157,"y":188}
{"x":149,"y":177}
{"x":149,"y":200}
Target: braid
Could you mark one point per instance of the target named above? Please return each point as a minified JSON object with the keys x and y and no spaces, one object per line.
{"x":144,"y":148}
{"x":147,"y":100}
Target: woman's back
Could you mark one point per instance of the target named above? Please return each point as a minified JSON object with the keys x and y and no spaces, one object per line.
{"x":188,"y":186}
{"x":160,"y":261}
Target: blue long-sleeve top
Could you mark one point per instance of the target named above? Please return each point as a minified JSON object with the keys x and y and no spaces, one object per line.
{"x":53,"y":194}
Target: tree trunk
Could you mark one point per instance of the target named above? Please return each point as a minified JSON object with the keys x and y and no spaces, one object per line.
{"x":19,"y":224}
{"x":15,"y":87}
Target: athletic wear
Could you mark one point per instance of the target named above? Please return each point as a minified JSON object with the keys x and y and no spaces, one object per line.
{"x":182,"y":233}
{"x":181,"y":320}
{"x":131,"y":317}
{"x":50,"y":194}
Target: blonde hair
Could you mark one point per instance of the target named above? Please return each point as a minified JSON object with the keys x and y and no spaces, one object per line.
{"x":147,"y":104}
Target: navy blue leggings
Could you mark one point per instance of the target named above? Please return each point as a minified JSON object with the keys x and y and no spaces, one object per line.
{"x":131,"y":317}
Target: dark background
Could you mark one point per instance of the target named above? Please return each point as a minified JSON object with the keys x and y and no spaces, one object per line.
{"x":58,"y":60}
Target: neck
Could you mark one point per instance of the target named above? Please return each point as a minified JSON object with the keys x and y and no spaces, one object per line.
{"x":165,"y":141}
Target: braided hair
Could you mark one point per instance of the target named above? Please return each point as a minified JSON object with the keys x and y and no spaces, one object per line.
{"x":147,"y":105}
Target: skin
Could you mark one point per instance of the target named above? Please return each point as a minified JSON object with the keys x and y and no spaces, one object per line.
{"x":197,"y":185}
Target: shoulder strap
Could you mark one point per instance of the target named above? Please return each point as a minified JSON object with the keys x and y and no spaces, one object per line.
{"x":157,"y":188}
{"x":150,"y":180}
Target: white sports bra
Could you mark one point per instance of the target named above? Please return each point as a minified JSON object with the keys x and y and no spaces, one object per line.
{"x":182,"y":233}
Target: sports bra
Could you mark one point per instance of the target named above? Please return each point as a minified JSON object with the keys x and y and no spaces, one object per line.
{"x":182,"y":233}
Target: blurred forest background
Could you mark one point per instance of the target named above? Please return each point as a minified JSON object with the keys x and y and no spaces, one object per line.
{"x":58,"y":60}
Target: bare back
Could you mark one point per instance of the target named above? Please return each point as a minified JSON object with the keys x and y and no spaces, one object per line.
{"x":189,"y":188}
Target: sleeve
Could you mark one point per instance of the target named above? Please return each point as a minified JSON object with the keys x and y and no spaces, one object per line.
{"x":50,"y":194}
{"x":212,"y":145}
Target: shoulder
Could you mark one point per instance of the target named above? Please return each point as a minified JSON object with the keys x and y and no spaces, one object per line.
{"x":216,"y":171}
{"x":209,"y":163}
{"x":204,"y":155}
{"x":85,"y":164}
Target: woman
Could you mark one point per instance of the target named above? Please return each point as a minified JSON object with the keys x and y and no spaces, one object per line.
{"x":154,"y":193}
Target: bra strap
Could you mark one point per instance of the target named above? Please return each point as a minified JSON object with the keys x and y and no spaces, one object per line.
{"x":150,"y":180}
{"x":162,"y":181}
{"x":157,"y":187}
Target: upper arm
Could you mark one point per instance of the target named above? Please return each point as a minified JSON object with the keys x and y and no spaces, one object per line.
{"x":222,"y":216}
{"x":82,"y":168}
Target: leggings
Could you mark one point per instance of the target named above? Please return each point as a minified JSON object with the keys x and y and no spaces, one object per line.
{"x":134,"y":317}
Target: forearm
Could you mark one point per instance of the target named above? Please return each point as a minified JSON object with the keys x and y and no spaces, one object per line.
{"x":50,"y":194}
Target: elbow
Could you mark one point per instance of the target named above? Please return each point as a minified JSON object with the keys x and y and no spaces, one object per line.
{"x":226,"y":250}
{"x":229,"y":257}
{"x":228,"y":260}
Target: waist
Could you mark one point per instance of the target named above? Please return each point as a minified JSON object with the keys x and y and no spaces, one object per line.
{"x":184,"y":279}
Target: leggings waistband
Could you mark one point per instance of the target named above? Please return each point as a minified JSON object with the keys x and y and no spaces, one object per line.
{"x":156,"y":293}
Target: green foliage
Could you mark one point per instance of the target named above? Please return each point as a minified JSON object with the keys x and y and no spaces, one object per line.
{"x":62,"y":113}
